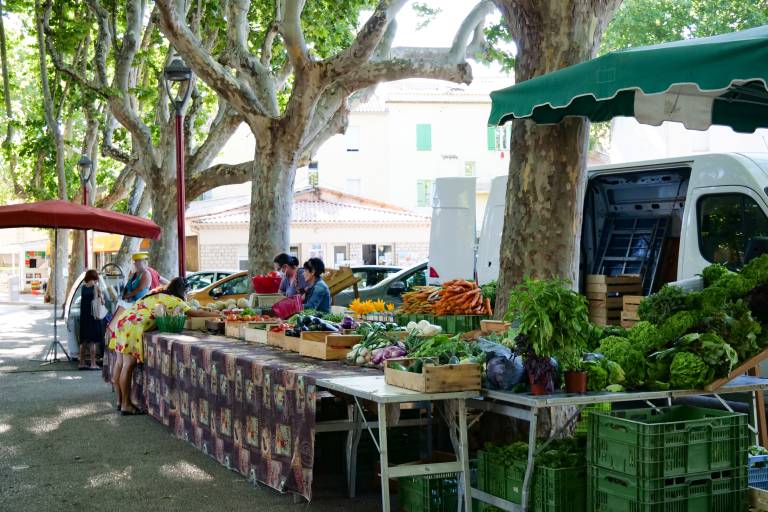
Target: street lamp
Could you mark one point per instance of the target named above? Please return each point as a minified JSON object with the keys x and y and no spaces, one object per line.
{"x":86,"y":169}
{"x":177,"y":75}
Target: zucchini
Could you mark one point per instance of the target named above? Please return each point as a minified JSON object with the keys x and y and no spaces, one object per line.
{"x":416,"y":367}
{"x":398,"y":366}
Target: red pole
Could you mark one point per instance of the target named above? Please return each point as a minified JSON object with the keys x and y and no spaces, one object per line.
{"x":85,"y":234}
{"x":180,"y":198}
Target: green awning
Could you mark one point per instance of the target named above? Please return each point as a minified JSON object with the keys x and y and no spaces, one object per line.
{"x":698,"y":82}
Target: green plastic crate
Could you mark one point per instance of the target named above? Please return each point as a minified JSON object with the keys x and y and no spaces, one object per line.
{"x":560,"y":490}
{"x":498,"y":479}
{"x":428,"y":493}
{"x":724,"y":491}
{"x":672,"y":441}
{"x":583,"y":423}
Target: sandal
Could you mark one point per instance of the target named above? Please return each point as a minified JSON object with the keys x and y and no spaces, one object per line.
{"x":134,"y":412}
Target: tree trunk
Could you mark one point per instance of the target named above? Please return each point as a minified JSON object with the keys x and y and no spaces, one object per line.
{"x":164,"y":253}
{"x":138,"y":205}
{"x":547,"y":171}
{"x":76,"y":263}
{"x":270,"y":219}
{"x":52,"y":123}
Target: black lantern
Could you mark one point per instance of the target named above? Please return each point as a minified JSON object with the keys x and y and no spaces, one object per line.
{"x":178,"y":74}
{"x":86,"y":168}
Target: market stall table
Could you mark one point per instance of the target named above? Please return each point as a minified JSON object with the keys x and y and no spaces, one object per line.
{"x":252,"y":407}
{"x":374,"y":389}
{"x":526,"y":407}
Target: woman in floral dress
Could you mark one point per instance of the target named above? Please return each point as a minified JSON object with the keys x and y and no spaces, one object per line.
{"x":127,"y":339}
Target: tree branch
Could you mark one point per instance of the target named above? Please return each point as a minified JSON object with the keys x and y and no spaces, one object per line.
{"x":361,"y":49}
{"x":215,"y":75}
{"x":221,"y":130}
{"x":289,"y":23}
{"x":266,"y":46}
{"x":120,"y":188}
{"x":474,"y":19}
{"x":216,"y":176}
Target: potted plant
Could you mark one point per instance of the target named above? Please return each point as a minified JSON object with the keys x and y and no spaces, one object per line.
{"x":541,"y":370}
{"x":575,"y":371}
{"x":548,"y":318}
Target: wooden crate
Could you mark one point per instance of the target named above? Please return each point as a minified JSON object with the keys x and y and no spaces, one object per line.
{"x":758,"y":499}
{"x":234,"y":329}
{"x":601,"y":287}
{"x":434,"y":379}
{"x":256,"y":332}
{"x":215,"y":326}
{"x":630,"y":303}
{"x":332,"y":347}
{"x":275,"y":339}
{"x":314,"y":335}
{"x":494,"y":326}
{"x":265,"y":300}
{"x":195,"y":323}
{"x":340,"y":279}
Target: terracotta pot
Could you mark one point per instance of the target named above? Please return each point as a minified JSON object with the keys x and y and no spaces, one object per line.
{"x":576,"y":382}
{"x":538,"y":388}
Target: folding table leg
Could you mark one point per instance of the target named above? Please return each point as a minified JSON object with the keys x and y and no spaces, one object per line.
{"x":531,"y":453}
{"x":353,"y":440}
{"x":384,"y":458}
{"x":464,"y":455}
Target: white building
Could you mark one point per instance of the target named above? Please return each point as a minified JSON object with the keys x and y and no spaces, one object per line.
{"x":337,"y":227}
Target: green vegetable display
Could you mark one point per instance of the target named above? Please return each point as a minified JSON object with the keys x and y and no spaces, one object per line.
{"x":629,"y":356}
{"x":689,"y":371}
{"x":551,"y":314}
{"x":666,"y":302}
{"x":558,"y":454}
{"x":444,"y":348}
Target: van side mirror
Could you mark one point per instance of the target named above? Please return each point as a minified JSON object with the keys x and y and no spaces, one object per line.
{"x":396,"y":289}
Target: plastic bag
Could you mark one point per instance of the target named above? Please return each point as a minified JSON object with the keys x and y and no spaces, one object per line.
{"x":504,"y":370}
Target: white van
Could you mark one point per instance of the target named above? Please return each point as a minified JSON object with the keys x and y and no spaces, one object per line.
{"x":665,"y":219}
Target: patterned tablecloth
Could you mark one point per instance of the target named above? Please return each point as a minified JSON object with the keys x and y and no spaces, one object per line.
{"x":252,"y":407}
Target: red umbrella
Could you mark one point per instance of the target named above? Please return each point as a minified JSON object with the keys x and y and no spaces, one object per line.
{"x":65,"y":215}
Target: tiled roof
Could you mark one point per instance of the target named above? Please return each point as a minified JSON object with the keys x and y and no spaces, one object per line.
{"x":322,"y":211}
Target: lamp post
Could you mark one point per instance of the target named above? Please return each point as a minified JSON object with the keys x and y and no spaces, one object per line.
{"x":85,"y":166}
{"x":177,"y":75}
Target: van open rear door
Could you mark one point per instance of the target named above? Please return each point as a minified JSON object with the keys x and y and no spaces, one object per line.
{"x":490,"y":235}
{"x":453,"y":232}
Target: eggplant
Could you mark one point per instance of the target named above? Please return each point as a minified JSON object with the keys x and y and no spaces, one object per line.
{"x":306,"y":320}
{"x":326,"y":326}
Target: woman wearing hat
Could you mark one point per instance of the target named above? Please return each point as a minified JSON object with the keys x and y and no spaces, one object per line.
{"x":139,"y":280}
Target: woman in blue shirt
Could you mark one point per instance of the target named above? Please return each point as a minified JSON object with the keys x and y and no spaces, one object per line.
{"x":318,"y":296}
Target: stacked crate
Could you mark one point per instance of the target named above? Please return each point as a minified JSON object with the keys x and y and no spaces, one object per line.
{"x":629,"y":317}
{"x":605,"y":296}
{"x":678,"y":458}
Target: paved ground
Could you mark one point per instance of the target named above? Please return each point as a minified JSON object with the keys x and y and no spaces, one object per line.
{"x":62,"y":448}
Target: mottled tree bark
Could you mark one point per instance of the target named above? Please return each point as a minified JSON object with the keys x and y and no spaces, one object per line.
{"x":547,"y":171}
{"x":138,"y":204}
{"x":271,"y":198}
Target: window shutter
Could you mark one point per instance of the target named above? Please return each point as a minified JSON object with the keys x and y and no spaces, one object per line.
{"x":423,"y":137}
{"x":491,"y":137}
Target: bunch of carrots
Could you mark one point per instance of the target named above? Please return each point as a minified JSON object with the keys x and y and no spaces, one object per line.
{"x":420,"y":301}
{"x":460,"y":297}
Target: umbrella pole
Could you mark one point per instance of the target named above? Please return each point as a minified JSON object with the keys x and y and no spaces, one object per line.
{"x":55,"y":344}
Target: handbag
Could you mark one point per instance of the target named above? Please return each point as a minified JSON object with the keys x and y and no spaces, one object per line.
{"x":289,"y":306}
{"x":98,"y":309}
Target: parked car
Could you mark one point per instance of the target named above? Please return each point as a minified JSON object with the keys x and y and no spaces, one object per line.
{"x":371,"y":275}
{"x":235,"y":286}
{"x":389,"y":289}
{"x":204,"y":278}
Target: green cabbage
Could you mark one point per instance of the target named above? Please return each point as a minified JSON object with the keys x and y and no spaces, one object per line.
{"x":630,"y":357}
{"x":647,"y":336}
{"x":689,"y":371}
